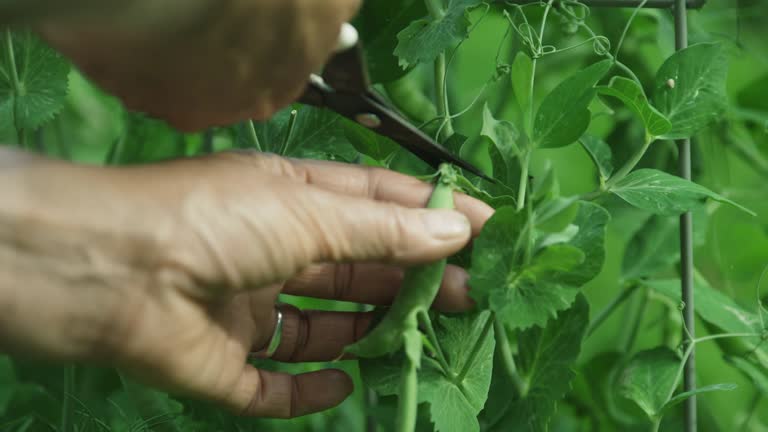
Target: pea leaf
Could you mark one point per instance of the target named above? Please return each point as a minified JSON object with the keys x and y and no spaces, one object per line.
{"x":368,"y":142}
{"x":42,"y":75}
{"x":600,"y":153}
{"x":378,"y":22}
{"x":504,"y":136}
{"x":632,"y":95}
{"x":665,"y":194}
{"x":544,"y":360}
{"x":563,"y":115}
{"x":680,"y":397}
{"x":520,"y":76}
{"x":523,"y":295}
{"x":453,"y":406}
{"x":145,"y":140}
{"x":753,"y":371}
{"x":721,"y":313}
{"x":423,"y":40}
{"x":7,"y":383}
{"x":690,"y":88}
{"x":655,"y":247}
{"x":316,"y":133}
{"x":648,"y":379}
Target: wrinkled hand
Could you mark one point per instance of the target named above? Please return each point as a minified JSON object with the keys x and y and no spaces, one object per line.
{"x":199,"y":249}
{"x":200,"y":63}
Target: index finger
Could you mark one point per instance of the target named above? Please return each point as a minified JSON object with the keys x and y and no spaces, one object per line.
{"x":383,"y":185}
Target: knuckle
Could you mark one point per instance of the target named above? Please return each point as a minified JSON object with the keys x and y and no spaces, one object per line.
{"x":343,"y":275}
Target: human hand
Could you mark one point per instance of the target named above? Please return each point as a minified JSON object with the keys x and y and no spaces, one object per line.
{"x":198,"y":250}
{"x":200,"y":63}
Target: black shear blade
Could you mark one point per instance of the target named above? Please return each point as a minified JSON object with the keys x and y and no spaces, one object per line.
{"x":393,"y":126}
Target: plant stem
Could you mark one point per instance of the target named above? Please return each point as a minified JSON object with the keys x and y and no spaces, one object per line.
{"x":408,"y":403}
{"x":66,"y":405}
{"x":626,"y":29}
{"x":636,"y":320}
{"x":435,"y":9}
{"x":252,"y":132}
{"x":631,"y":163}
{"x":476,"y":348}
{"x":17,"y":87}
{"x":507,"y":359}
{"x":437,"y":12}
{"x":751,"y":411}
{"x":612,"y":306}
{"x":432,"y":336}
{"x":523,"y":186}
{"x":288,"y":133}
{"x":441,"y":95}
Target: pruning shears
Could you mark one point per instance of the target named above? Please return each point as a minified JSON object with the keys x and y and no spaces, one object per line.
{"x":344,"y":87}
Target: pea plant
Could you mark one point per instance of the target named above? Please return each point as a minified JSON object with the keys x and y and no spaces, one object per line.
{"x":554,"y":86}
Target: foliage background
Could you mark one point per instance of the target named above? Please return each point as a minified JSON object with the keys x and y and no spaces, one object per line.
{"x":730,"y":157}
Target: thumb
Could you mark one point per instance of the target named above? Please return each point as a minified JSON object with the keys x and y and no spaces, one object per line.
{"x":343,"y":228}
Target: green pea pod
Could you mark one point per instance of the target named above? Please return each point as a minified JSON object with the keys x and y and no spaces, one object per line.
{"x":418,"y":291}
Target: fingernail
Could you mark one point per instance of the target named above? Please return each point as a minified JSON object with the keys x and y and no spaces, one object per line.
{"x":445,"y":224}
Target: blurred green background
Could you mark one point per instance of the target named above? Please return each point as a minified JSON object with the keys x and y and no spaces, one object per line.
{"x":731,"y":157}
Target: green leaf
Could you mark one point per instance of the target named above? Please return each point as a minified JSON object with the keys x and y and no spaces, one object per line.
{"x":600,"y":153}
{"x":146,"y":140}
{"x":368,"y":142}
{"x":563,"y":115}
{"x":653,"y":248}
{"x":423,"y":40}
{"x":680,"y":397}
{"x":665,"y":194}
{"x":520,"y":76}
{"x":545,"y":361}
{"x":505,"y":137}
{"x":454,"y":406}
{"x":316,"y":134}
{"x":754,"y":373}
{"x":648,"y":379}
{"x":722,"y":314}
{"x":523,"y":295}
{"x":379,"y":22}
{"x":7,"y":383}
{"x":690,"y":88}
{"x":632,"y":95}
{"x":42,"y":74}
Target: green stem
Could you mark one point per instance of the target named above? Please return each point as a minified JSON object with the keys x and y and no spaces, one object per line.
{"x":476,"y":349}
{"x":252,"y":133}
{"x":288,"y":133}
{"x":686,"y":355}
{"x":432,"y":336}
{"x":523,"y":186}
{"x":66,"y":405}
{"x":408,"y":403}
{"x":631,"y":163}
{"x":626,"y":28}
{"x":17,"y":87}
{"x":507,"y":359}
{"x":751,"y":411}
{"x":435,"y":9}
{"x":612,"y":306}
{"x":441,"y":95}
{"x":636,"y":320}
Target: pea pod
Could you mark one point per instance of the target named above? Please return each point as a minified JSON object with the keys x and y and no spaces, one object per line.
{"x":418,"y":291}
